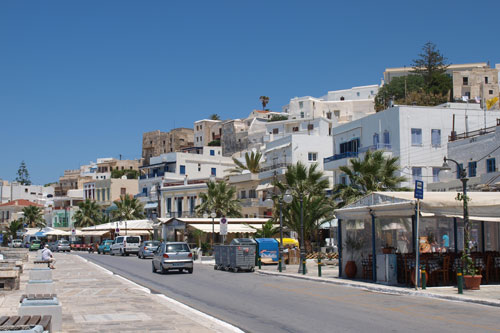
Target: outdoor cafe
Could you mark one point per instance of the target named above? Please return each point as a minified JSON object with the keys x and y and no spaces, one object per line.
{"x":378,"y":235}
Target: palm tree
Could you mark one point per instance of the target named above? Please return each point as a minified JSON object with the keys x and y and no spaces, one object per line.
{"x":268,"y":230}
{"x":252,"y":163}
{"x":88,"y":215}
{"x":128,"y":208}
{"x":33,"y":217}
{"x":264,"y":100}
{"x":372,"y":173}
{"x":214,"y":116}
{"x":306,"y":183}
{"x":14,"y":227}
{"x":219,"y":198}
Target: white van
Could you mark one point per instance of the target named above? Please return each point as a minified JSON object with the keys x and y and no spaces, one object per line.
{"x":124,"y":245}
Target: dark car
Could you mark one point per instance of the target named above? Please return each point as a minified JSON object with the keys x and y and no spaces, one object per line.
{"x":147,"y":248}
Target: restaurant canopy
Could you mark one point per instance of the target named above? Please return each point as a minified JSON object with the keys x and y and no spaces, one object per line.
{"x":483,"y":206}
{"x":231,"y":228}
{"x":234,"y":225}
{"x":129,"y":225}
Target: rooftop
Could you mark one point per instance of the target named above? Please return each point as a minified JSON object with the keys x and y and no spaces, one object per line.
{"x":20,"y":202}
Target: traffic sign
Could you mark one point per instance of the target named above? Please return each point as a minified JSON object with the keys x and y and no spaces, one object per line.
{"x":73,"y":232}
{"x":223,"y":226}
{"x":419,"y":189}
{"x":117,"y":230}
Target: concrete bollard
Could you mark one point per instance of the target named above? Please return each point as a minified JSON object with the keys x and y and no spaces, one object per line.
{"x":43,"y":307}
{"x":40,"y":287}
{"x":41,"y":273}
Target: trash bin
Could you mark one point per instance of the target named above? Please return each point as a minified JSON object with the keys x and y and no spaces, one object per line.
{"x":268,"y":250}
{"x":240,"y":255}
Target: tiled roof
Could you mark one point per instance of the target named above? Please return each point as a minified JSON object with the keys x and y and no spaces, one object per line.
{"x":20,"y":202}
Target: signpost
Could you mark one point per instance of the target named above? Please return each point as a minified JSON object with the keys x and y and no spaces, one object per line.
{"x":419,"y":194}
{"x":223,"y":228}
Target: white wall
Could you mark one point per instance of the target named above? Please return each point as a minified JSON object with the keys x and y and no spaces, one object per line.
{"x":33,"y":193}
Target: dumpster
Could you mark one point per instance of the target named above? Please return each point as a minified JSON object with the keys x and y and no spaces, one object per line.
{"x":267,"y":249}
{"x":240,"y":255}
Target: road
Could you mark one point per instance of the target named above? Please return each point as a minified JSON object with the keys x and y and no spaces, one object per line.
{"x":261,"y":303}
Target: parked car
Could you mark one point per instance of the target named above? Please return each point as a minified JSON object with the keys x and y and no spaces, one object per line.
{"x":35,"y":245}
{"x":105,"y":246}
{"x":147,"y":248}
{"x":17,"y":243}
{"x":173,"y":255}
{"x":124,"y":245}
{"x":60,"y":245}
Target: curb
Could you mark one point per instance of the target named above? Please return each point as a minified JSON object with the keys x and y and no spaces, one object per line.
{"x":387,"y":290}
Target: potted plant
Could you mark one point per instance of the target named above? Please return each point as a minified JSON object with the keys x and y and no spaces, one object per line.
{"x":471,"y":280}
{"x":352,"y":245}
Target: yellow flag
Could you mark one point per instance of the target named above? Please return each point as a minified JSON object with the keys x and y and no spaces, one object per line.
{"x":491,"y":102}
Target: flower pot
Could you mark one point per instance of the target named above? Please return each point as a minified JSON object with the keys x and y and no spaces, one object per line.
{"x":472,"y":282}
{"x":350,"y":269}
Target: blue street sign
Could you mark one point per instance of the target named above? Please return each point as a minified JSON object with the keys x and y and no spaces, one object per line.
{"x":419,"y":189}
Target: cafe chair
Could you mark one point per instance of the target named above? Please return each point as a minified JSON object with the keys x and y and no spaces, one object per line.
{"x":443,"y":272}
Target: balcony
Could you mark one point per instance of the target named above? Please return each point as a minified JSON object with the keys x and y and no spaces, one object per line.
{"x":349,"y":154}
{"x":378,"y":146}
{"x":251,"y":202}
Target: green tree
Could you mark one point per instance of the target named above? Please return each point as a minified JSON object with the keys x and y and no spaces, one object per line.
{"x":130,"y":174}
{"x":89,"y":214}
{"x":308,"y":184}
{"x":14,"y":227}
{"x":395,"y":90}
{"x":214,"y":143}
{"x":219,"y":198}
{"x":268,"y":229}
{"x":431,"y":65}
{"x":214,"y":116}
{"x":23,"y":176}
{"x":252,"y":163}
{"x":128,"y":208}
{"x":33,"y":217}
{"x":264,"y":100}
{"x":277,"y":117}
{"x":372,"y":173}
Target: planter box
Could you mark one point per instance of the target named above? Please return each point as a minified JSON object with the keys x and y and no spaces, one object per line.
{"x":472,"y":282}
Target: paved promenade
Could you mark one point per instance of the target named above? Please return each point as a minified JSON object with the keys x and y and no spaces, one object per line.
{"x":95,"y":300}
{"x":487,"y":295}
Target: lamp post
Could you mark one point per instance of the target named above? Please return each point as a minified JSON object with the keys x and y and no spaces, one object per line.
{"x":302,"y":265}
{"x":213,"y":215}
{"x":463,"y":178}
{"x":286,"y":198}
{"x":158,"y":195}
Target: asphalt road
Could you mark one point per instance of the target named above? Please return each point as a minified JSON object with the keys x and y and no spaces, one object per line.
{"x":260,"y":303}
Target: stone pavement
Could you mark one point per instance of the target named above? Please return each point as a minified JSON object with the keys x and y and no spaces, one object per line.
{"x":487,"y":295}
{"x":96,"y":300}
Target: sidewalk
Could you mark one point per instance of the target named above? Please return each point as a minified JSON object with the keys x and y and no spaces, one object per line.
{"x":488,"y":295}
{"x":95,"y":300}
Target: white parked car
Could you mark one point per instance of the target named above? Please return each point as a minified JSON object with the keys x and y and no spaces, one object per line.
{"x":17,"y":243}
{"x":124,"y":245}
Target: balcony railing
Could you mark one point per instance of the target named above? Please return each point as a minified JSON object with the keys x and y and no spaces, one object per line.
{"x":275,"y":166}
{"x":454,"y":136}
{"x":336,"y":157}
{"x":354,"y":154}
{"x":378,"y":146}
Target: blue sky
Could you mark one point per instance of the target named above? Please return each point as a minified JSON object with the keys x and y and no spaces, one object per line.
{"x":84,"y":79}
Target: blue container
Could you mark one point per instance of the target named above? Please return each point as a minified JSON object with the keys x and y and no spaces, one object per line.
{"x":268,"y":248}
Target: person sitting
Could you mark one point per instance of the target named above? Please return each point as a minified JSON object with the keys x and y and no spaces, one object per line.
{"x":47,"y":256}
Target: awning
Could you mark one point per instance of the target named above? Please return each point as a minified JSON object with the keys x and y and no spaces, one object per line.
{"x":231,"y":228}
{"x":131,"y":224}
{"x":135,"y":232}
{"x":91,"y":233}
{"x":263,"y":187}
{"x":58,"y":232}
{"x":151,"y":205}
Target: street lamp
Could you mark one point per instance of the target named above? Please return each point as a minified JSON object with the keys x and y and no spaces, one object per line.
{"x":213,"y":215}
{"x":302,"y":265}
{"x":463,"y":178}
{"x":286,"y":198}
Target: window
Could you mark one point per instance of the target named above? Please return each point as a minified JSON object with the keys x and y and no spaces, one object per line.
{"x":490,"y":165}
{"x":123,"y":191}
{"x":182,"y":169}
{"x":103,"y":192}
{"x":212,"y":152}
{"x":472,"y":169}
{"x":295,"y":129}
{"x":243,"y":194}
{"x":357,"y":94}
{"x":145,"y":190}
{"x":169,"y":205}
{"x":213,"y":172}
{"x":109,"y":190}
{"x":276,"y":130}
{"x":252,"y":194}
{"x":416,"y":136}
{"x":436,"y":137}
{"x":302,"y":115}
{"x":459,"y":167}
{"x":199,"y":167}
{"x":435,"y":174}
{"x":310,"y":127}
{"x":329,"y":115}
{"x":416,"y":173}
{"x":163,"y":142}
{"x":375,"y":139}
{"x":312,"y":156}
{"x":336,"y":113}
{"x":486,"y":79}
{"x":301,"y":105}
{"x":349,"y":147}
{"x":465,"y":81}
{"x":98,"y":195}
{"x":343,"y":180}
{"x":491,"y":92}
{"x":387,"y":138}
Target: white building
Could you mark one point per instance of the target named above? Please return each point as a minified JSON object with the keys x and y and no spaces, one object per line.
{"x":340,"y":105}
{"x":35,"y":193}
{"x":478,"y":153}
{"x":416,"y":135}
{"x":206,"y":130}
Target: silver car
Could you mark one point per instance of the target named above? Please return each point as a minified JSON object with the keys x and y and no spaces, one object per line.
{"x":173,"y":255}
{"x":60,"y":245}
{"x":147,"y":248}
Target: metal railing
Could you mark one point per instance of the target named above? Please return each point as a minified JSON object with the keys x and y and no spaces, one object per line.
{"x":454,"y":136}
{"x":335,"y":157}
{"x":378,"y":146}
{"x":275,"y":166}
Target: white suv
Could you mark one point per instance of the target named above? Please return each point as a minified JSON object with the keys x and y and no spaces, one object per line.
{"x":125,"y":245}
